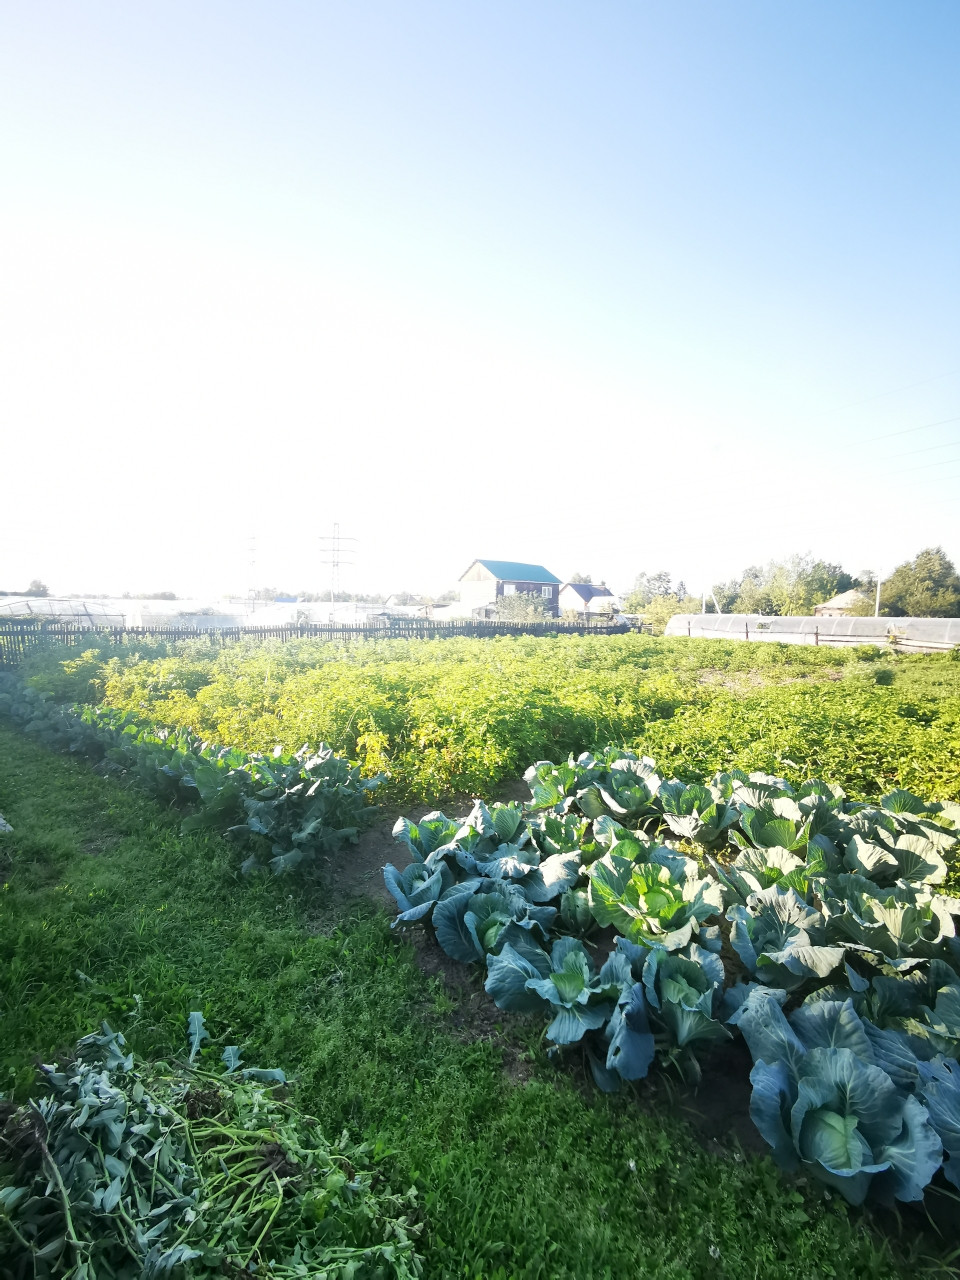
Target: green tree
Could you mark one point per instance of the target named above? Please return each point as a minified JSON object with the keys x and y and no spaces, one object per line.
{"x":726,"y":595}
{"x":792,"y":586}
{"x":582,"y":577}
{"x":645,"y":589}
{"x":662,"y":608}
{"x":37,"y":588}
{"x":926,"y":587}
{"x":864,"y":607}
{"x":821,"y":581}
{"x":521,"y":606}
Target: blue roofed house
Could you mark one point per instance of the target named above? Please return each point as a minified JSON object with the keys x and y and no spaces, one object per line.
{"x":487,"y":581}
{"x":586,"y":598}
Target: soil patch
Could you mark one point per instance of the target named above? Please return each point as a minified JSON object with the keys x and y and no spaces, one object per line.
{"x":357,"y":871}
{"x":718,"y":1108}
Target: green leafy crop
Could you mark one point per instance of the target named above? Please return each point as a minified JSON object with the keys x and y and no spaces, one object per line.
{"x":282,"y":808}
{"x":126,"y":1171}
{"x":819,"y":899}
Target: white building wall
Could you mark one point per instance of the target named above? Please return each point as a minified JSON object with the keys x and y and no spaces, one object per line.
{"x":474,"y":595}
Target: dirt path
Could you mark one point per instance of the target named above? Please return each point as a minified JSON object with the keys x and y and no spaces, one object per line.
{"x":357,"y":871}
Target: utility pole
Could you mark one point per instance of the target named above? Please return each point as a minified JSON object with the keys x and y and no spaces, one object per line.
{"x":333,"y":546}
{"x":252,"y":557}
{"x":876,"y":607}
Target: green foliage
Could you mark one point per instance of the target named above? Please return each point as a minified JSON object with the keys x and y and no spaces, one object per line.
{"x":654,"y":597}
{"x":579,"y":999}
{"x":864,"y":607}
{"x":125,"y":1171}
{"x":506,"y":1151}
{"x":684,"y":993}
{"x":449,"y":717}
{"x":289,"y":806}
{"x":826,"y":898}
{"x":825,"y":1105}
{"x":793,"y":587}
{"x":870,"y":880}
{"x":661,"y":609}
{"x":646,"y":588}
{"x":521,"y":606}
{"x":659,"y":902}
{"x":925,"y":587}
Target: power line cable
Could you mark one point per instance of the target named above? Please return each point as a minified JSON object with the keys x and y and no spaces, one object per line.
{"x":909,"y":387}
{"x":924,"y":426}
{"x":925,"y":466}
{"x":927,"y":448}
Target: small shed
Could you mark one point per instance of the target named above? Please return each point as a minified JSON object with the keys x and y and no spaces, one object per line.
{"x":840,"y":606}
{"x":584,"y":597}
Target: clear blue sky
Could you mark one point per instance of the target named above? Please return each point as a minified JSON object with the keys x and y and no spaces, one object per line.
{"x":614,"y":287}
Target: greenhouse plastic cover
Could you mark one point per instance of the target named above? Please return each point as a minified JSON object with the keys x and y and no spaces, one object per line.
{"x":910,"y":633}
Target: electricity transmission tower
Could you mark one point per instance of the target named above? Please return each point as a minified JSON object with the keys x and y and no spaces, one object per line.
{"x":332,"y":544}
{"x":252,"y":574}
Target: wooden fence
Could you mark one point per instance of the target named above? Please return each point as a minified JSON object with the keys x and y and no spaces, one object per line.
{"x":20,"y":637}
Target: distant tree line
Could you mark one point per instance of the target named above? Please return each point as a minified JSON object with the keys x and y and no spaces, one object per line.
{"x":926,"y":587}
{"x":36,"y":588}
{"x":351,"y":597}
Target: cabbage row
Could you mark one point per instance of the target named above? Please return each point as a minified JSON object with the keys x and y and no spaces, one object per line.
{"x":650,"y":919}
{"x":282,"y":809}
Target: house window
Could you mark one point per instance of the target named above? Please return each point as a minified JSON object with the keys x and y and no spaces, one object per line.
{"x":546,"y":592}
{"x":509,"y":589}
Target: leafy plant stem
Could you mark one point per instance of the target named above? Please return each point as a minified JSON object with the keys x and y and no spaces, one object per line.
{"x":269,"y":1222}
{"x":51,"y":1165}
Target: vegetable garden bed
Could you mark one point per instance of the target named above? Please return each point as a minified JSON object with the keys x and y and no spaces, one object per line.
{"x":827,"y":942}
{"x":640,"y":913}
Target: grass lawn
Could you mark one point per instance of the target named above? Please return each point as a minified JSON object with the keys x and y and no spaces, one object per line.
{"x":523,"y":1171}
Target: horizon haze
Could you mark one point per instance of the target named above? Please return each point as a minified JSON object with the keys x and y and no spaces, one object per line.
{"x":613,"y":289}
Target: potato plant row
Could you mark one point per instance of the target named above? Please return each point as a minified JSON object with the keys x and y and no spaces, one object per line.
{"x":457,"y":717}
